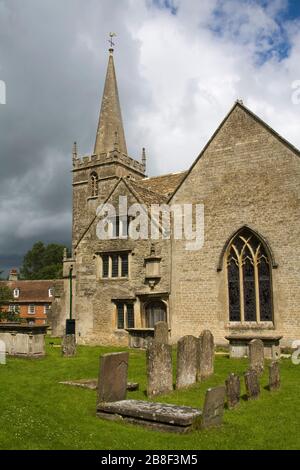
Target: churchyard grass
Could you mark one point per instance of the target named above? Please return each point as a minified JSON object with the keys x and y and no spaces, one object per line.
{"x":39,"y":413}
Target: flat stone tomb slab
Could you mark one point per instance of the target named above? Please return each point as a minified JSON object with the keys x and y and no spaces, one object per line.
{"x":93,"y":383}
{"x":156,"y":415}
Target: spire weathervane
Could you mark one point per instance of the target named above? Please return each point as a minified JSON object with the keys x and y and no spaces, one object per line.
{"x":111,"y":43}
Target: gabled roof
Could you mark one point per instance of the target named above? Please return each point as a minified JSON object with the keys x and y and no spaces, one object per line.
{"x":164,"y":185}
{"x":257,"y":119}
{"x":31,"y":291}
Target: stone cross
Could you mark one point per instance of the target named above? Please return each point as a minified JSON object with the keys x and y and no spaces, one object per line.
{"x":274,"y":376}
{"x":213,"y":409}
{"x":68,"y":345}
{"x":233,"y":391}
{"x":112,"y":382}
{"x":252,"y":384}
{"x":206,"y":355}
{"x":187,"y":357}
{"x":159,"y":369}
{"x":256,"y":355}
{"x":161,"y":332}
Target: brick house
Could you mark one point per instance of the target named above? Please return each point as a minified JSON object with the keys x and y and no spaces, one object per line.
{"x":33,"y":299}
{"x":244,"y":281}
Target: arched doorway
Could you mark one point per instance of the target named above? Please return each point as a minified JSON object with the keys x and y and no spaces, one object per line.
{"x":155,"y":311}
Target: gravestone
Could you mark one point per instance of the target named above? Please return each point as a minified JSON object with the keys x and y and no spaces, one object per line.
{"x":274,"y":376}
{"x":112,"y":382}
{"x":187,"y":356}
{"x":159,"y":369}
{"x":206,"y":355}
{"x":2,"y":352}
{"x":233,"y":391}
{"x":256,"y":355}
{"x":68,"y":346}
{"x":213,"y":409}
{"x":252,"y":384}
{"x":161,"y":332}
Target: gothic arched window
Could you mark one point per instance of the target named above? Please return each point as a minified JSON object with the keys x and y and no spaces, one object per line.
{"x":249,"y":279}
{"x":94,"y":184}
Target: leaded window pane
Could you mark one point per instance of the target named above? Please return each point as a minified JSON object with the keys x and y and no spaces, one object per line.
{"x":115,"y":265}
{"x":124,"y":265}
{"x":265,"y":298}
{"x":105,"y":265}
{"x":120,"y":313}
{"x":234,"y":291}
{"x":249,"y":291}
{"x":130,"y":316}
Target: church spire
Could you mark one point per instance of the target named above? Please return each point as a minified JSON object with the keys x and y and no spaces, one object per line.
{"x":110,"y":120}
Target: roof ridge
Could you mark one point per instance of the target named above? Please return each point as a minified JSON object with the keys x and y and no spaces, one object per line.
{"x":146,"y":189}
{"x":163,"y":176}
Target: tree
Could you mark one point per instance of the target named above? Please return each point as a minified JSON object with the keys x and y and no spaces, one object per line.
{"x":43,"y":262}
{"x":5,"y":298}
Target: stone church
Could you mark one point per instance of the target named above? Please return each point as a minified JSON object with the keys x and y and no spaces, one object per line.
{"x":243,"y":283}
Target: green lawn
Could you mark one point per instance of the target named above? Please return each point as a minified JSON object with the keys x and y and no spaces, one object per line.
{"x":39,"y":413}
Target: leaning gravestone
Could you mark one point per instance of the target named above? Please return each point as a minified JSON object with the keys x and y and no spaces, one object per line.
{"x":159,"y":369}
{"x":274,"y":376}
{"x":252,"y":384}
{"x":161,"y":332}
{"x":256,"y":355}
{"x":69,"y":345}
{"x":213,"y":409}
{"x":187,"y":354}
{"x":206,"y":355}
{"x":112,"y":382}
{"x":233,"y":391}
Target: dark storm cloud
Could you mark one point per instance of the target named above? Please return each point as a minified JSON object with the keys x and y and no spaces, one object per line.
{"x":179,"y":71}
{"x":53,"y":56}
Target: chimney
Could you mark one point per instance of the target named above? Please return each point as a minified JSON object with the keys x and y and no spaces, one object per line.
{"x":13,"y":275}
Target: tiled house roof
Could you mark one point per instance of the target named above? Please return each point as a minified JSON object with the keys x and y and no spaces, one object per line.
{"x":32,"y":291}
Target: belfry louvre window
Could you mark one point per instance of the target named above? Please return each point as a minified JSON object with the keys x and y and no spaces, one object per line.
{"x":125,"y":315}
{"x":94,"y":184}
{"x":249,"y":279}
{"x":115,"y":265}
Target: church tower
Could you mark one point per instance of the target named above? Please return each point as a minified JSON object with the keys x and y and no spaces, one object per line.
{"x":94,"y":176}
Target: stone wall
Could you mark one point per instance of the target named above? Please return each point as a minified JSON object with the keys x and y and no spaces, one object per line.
{"x":245,"y":176}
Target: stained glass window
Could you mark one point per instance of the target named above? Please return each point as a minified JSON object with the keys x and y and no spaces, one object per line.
{"x":249,"y":279}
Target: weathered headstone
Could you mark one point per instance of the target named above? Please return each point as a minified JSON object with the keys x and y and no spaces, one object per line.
{"x":274,"y":376}
{"x":213,"y":409}
{"x":206,"y":355}
{"x":112,"y":382}
{"x":252,"y":384}
{"x":68,"y":345}
{"x":159,"y":369}
{"x":233,"y":391}
{"x":161,"y":332}
{"x":256,"y":355}
{"x":2,"y":352}
{"x":187,"y":356}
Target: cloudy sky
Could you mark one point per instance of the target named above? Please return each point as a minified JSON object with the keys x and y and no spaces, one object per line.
{"x":181,"y":64}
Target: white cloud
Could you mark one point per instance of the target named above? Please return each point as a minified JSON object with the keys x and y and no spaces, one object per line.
{"x":195,"y":75}
{"x":178,"y":77}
